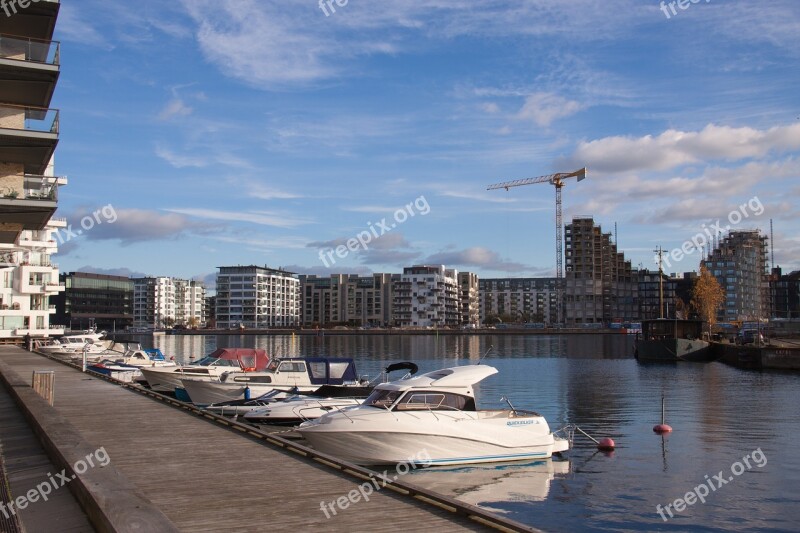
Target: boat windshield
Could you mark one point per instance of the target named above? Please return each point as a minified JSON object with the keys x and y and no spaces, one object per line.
{"x":382,"y":398}
{"x":208,"y":361}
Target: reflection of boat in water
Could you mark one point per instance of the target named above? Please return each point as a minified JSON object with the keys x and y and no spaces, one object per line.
{"x":673,"y":340}
{"x":487,"y":485}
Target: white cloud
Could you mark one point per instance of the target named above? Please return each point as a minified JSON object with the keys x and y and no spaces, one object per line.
{"x":180,"y":161}
{"x":544,"y":108}
{"x":264,"y":218}
{"x":674,"y":148}
{"x":175,"y":108}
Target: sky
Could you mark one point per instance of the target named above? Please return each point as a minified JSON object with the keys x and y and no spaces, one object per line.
{"x":204,"y":133}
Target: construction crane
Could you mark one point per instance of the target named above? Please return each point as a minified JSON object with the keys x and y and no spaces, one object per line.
{"x":557,"y":180}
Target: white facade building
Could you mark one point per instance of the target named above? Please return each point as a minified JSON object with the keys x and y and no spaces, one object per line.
{"x":165,"y":302}
{"x":27,"y":280}
{"x":427,"y":296}
{"x":257,"y":297}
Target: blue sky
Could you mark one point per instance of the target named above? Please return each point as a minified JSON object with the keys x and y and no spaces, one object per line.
{"x":230,"y":132}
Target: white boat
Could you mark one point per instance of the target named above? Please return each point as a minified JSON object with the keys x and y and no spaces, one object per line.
{"x":434,"y":416}
{"x":91,"y":343}
{"x":298,"y":409}
{"x":243,"y":406}
{"x":294,"y":374}
{"x":221,"y":361}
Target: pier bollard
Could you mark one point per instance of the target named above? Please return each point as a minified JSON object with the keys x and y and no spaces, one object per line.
{"x":43,"y":383}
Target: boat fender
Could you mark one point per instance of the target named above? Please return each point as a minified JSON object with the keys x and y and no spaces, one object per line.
{"x":247,"y":393}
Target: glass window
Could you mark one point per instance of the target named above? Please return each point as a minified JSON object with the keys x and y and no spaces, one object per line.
{"x":382,"y":398}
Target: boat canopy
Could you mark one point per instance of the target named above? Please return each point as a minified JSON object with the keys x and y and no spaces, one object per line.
{"x":247,"y":357}
{"x":331,"y":371}
{"x":457,"y":376}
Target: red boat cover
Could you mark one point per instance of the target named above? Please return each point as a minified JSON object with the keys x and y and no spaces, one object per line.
{"x":249,"y":358}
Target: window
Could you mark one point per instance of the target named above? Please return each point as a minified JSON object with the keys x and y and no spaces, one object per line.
{"x":418,"y":400}
{"x":382,"y":398}
{"x":290,"y":366}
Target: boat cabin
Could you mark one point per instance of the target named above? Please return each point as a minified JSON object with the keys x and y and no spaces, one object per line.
{"x":663,"y":329}
{"x":416,"y":400}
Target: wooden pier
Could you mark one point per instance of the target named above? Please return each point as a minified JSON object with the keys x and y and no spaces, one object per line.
{"x":173,"y":467}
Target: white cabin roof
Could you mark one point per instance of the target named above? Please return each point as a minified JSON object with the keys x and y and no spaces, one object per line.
{"x":457,"y":376}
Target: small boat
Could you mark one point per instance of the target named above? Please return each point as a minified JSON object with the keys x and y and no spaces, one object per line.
{"x":297,"y":409}
{"x":295,"y":374}
{"x":91,"y":343}
{"x":243,"y":406}
{"x":670,"y":340}
{"x":434,"y":416}
{"x":116,"y":370}
{"x":220,"y":361}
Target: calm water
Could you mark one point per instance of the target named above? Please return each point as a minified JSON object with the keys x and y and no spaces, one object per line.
{"x":719,"y":415}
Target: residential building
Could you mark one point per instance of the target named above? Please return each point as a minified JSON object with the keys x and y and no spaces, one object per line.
{"x":257,"y":297}
{"x":153,"y":302}
{"x":656,"y":297}
{"x":95,"y":300}
{"x":190,"y":303}
{"x":785,"y":289}
{"x":427,"y":296}
{"x":519,"y":299}
{"x":470,"y":300}
{"x":167,"y":302}
{"x":739,"y":263}
{"x":600,"y":285}
{"x":347,"y":299}
{"x":29,"y":132}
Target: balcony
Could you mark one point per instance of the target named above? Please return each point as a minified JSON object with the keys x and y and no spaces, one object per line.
{"x":28,"y":136}
{"x":36,"y":20}
{"x":29,"y":70}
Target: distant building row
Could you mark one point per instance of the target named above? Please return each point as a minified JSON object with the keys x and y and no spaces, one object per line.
{"x":599,"y":287}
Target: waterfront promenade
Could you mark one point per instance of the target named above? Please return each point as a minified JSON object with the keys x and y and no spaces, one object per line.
{"x":169,"y":469}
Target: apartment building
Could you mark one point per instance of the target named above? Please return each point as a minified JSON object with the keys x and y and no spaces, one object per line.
{"x":427,"y":296}
{"x":469,"y":299}
{"x":519,"y":300}
{"x":600,"y":285}
{"x":165,"y":302}
{"x":739,"y":263}
{"x":29,"y":133}
{"x":347,"y":299}
{"x":257,"y":297}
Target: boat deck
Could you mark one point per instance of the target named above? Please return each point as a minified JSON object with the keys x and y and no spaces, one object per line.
{"x":171,"y":467}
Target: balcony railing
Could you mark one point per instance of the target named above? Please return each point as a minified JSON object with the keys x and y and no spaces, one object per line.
{"x":38,"y":119}
{"x":25,"y":49}
{"x":33,"y":188}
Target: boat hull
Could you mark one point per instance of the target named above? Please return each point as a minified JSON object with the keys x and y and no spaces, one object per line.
{"x":449,"y":438}
{"x":674,"y":350}
{"x":206,"y":392}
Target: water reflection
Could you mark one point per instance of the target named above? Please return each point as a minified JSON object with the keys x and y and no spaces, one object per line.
{"x":492,"y":486}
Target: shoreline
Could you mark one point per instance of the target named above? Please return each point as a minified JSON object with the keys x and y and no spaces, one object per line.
{"x":382,"y":331}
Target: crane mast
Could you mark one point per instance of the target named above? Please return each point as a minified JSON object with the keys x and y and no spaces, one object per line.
{"x":557,"y":180}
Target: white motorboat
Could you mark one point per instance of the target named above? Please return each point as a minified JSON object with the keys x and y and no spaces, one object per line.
{"x":298,"y":409}
{"x":434,"y":416}
{"x":243,"y":406}
{"x":91,"y":343}
{"x":221,"y":361}
{"x":298,"y":375}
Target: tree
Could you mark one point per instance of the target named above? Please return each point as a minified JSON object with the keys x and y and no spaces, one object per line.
{"x":193,"y":322}
{"x":707,"y":296}
{"x":168,"y":321}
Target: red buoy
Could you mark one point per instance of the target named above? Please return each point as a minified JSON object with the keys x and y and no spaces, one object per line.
{"x":605,"y":444}
{"x":662,"y":428}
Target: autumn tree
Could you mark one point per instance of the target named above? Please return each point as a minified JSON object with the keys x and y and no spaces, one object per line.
{"x":707,"y":296}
